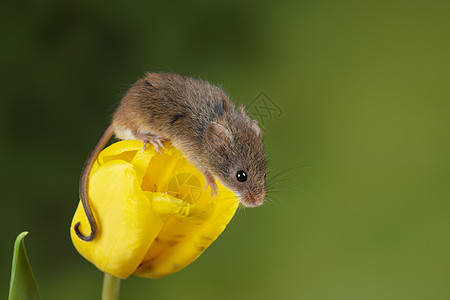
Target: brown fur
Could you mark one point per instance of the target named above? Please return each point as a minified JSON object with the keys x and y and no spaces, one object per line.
{"x":201,"y":121}
{"x":185,"y":110}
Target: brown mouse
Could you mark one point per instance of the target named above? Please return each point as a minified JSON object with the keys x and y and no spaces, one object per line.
{"x":200,"y":120}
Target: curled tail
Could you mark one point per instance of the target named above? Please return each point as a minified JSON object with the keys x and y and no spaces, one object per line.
{"x":84,"y":183}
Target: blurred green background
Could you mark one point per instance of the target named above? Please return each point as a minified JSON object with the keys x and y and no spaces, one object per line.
{"x":364,"y":86}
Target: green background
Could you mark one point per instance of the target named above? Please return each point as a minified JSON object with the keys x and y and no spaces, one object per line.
{"x":364,"y":86}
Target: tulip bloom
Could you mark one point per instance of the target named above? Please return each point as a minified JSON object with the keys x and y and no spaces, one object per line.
{"x":153,"y":213}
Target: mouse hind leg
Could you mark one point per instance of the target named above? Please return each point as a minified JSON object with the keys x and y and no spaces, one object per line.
{"x":126,"y":133}
{"x":153,"y":139}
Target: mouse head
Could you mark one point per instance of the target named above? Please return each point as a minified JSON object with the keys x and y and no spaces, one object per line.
{"x":237,"y":158}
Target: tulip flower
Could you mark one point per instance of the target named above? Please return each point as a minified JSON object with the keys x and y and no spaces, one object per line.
{"x":154,"y":216}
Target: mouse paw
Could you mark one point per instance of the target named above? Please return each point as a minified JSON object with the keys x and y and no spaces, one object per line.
{"x":212,"y":183}
{"x":152,"y":139}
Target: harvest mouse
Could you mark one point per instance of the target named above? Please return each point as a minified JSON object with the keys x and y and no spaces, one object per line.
{"x":198,"y":119}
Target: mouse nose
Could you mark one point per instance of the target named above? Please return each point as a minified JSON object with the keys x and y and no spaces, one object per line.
{"x":259,"y":201}
{"x":254,"y":200}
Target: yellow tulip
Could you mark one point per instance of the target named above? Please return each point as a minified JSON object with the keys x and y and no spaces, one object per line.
{"x":153,"y":213}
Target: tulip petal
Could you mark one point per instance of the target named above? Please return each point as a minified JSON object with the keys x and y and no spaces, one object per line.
{"x":188,"y":230}
{"x":153,"y":213}
{"x":127,"y":224}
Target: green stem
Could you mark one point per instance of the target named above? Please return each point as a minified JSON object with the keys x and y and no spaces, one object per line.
{"x":111,"y":286}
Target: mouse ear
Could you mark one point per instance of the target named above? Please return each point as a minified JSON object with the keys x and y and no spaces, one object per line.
{"x":254,"y":125}
{"x":218,"y":134}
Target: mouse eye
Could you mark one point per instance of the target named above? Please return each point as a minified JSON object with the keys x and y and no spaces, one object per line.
{"x":241,"y":176}
{"x":265,"y":174}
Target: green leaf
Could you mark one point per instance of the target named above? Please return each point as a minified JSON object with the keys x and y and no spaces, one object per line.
{"x":23,"y":285}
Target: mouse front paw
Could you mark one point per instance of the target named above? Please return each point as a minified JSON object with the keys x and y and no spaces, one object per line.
{"x":212,"y":183}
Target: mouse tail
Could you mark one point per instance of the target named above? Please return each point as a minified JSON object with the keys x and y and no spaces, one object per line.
{"x":84,"y":186}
